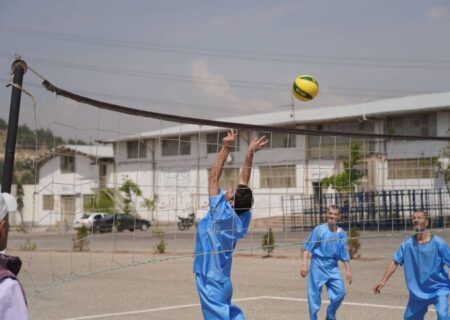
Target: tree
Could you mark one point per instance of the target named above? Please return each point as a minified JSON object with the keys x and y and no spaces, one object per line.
{"x":101,"y":202}
{"x":129,"y":187}
{"x":27,"y":178}
{"x":150,"y":205}
{"x":349,"y":178}
{"x":3,"y":124}
{"x":19,"y":199}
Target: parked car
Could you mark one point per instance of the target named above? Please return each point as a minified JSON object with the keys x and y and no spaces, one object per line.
{"x":87,"y":219}
{"x":121,"y":222}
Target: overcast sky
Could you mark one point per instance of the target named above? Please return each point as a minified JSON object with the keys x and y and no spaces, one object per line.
{"x":214,"y":59}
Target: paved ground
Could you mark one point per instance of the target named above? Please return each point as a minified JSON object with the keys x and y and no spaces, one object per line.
{"x":265,"y":288}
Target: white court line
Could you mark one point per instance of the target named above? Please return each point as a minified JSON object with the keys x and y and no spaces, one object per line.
{"x":154,"y":310}
{"x":357,"y":304}
{"x":118,"y":314}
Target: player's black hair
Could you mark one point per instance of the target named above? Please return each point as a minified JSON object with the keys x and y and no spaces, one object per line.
{"x":243,"y":199}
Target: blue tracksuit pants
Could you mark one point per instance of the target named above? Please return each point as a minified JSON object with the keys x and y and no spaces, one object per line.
{"x":319,"y":276}
{"x":416,"y":309}
{"x":215,"y":299}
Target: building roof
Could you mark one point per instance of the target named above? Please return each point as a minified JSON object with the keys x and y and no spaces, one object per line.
{"x":93,"y":152}
{"x":410,"y":104}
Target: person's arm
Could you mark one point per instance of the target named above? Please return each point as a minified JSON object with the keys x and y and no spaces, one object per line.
{"x":310,"y":244}
{"x":348,"y":272}
{"x":12,"y":301}
{"x":254,"y":146}
{"x":345,"y":257}
{"x":445,"y":253}
{"x":216,"y":170}
{"x":304,"y":268}
{"x":390,"y":269}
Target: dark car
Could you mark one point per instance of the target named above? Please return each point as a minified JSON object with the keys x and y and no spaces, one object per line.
{"x":121,"y":222}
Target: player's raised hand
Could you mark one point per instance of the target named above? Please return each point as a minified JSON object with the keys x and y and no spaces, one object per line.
{"x":257,"y":144}
{"x":230,"y":138}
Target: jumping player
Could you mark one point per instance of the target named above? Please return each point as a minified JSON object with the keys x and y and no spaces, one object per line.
{"x":226,"y":222}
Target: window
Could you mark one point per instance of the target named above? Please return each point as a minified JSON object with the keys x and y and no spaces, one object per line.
{"x":174,"y":146}
{"x":67,"y":164}
{"x":136,"y":149}
{"x":279,"y":139}
{"x":278,"y":176}
{"x":416,"y":125}
{"x":214,"y":142}
{"x":412,"y":168}
{"x":47,"y":202}
{"x":229,"y":178}
{"x":338,"y":147}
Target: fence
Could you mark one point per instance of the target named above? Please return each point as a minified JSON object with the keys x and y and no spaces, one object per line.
{"x":372,"y":210}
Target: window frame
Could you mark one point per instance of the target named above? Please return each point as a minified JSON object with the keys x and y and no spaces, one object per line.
{"x":229,"y":178}
{"x":182,"y":144}
{"x":67,"y":164}
{"x":286,"y":180}
{"x":404,"y":169}
{"x":214,"y":142}
{"x":136,"y":149}
{"x":288,"y":140}
{"x":46,"y":198}
{"x":419,"y":124}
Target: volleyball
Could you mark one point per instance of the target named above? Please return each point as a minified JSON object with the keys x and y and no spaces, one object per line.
{"x":305,"y":87}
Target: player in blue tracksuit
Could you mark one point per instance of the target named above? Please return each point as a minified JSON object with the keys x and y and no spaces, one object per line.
{"x":327,"y":245}
{"x":425,"y":258}
{"x":226,"y":222}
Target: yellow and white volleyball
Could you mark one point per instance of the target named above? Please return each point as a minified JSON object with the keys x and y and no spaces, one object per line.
{"x":305,"y":87}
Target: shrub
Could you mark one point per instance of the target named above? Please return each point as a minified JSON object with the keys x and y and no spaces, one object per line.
{"x":29,"y":245}
{"x":80,"y":241}
{"x":268,"y":242}
{"x":354,"y":244}
{"x":160,"y":247}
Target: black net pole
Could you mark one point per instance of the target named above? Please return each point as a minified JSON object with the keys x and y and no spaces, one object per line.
{"x":18,"y":68}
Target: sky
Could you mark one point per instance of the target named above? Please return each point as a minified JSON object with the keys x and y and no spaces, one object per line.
{"x":213,"y":59}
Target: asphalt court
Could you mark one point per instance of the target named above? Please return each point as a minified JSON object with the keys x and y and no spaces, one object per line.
{"x":265,"y":288}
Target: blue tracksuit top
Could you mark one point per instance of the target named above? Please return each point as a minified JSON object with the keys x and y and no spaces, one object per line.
{"x":217,"y":235}
{"x":425,"y":266}
{"x":329,"y":247}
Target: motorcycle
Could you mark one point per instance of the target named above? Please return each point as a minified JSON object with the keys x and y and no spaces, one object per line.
{"x":186,"y":223}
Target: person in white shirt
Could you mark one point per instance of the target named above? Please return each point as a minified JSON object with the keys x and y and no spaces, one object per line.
{"x":13,"y":303}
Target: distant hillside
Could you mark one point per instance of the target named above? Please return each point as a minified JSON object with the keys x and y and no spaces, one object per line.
{"x":26,"y":145}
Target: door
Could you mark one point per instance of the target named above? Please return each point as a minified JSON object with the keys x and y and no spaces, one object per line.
{"x":68,"y":208}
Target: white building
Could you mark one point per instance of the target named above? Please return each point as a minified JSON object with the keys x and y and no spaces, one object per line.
{"x":171,"y":164}
{"x":68,"y":176}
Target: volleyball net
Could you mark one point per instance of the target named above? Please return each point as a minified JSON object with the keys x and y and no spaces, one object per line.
{"x":135,"y":182}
